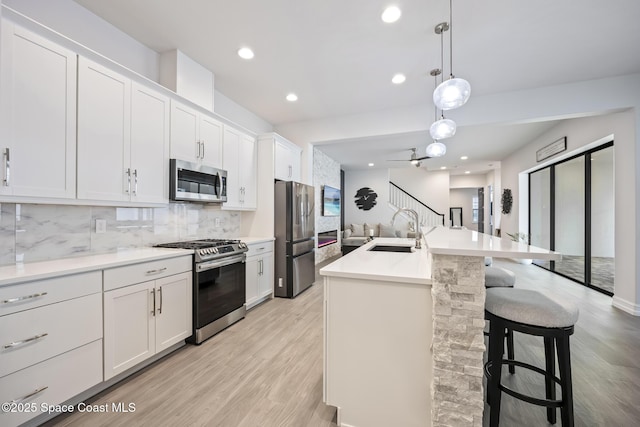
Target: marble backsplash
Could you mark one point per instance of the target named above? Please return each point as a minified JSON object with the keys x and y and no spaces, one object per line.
{"x":32,"y":232}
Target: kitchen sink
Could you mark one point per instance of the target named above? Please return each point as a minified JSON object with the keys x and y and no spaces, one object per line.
{"x":391,"y":248}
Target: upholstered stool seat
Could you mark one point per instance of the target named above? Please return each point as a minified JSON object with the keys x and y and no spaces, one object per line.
{"x":498,"y":277}
{"x":530,"y":312}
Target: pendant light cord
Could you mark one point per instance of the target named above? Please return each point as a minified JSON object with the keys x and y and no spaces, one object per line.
{"x":451,"y":39}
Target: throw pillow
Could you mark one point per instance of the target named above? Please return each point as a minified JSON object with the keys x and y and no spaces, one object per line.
{"x":357,"y":230}
{"x":346,"y":233}
{"x":387,"y":230}
{"x":368,"y":228}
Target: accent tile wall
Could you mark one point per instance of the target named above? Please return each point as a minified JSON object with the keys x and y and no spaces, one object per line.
{"x":325,"y":171}
{"x":31,"y":232}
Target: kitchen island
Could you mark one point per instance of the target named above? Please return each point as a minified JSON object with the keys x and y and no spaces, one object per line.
{"x":403,"y":330}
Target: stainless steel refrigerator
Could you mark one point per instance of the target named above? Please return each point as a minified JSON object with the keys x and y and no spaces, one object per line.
{"x":294,"y":230}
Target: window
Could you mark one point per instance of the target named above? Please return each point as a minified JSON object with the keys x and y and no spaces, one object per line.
{"x":474,"y":210}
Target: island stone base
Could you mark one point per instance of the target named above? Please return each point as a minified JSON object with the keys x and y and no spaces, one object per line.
{"x":458,"y":294}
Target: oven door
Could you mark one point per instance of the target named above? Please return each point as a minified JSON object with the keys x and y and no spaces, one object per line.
{"x":219,"y":289}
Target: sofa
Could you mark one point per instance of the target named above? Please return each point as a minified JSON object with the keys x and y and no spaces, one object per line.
{"x":357,"y":234}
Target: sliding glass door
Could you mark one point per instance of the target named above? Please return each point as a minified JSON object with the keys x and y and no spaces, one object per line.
{"x":571,"y":211}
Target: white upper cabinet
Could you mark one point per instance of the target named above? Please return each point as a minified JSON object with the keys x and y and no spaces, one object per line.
{"x":195,"y":137}
{"x":149,"y":145}
{"x":38,"y":116}
{"x":123,"y":130}
{"x":104,"y":137}
{"x":240,"y":162}
{"x":286,"y":159}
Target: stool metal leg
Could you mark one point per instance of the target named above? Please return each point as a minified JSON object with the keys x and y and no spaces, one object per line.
{"x":510,"y":352}
{"x":564,"y":368}
{"x":496,"y":350}
{"x":549,"y":384}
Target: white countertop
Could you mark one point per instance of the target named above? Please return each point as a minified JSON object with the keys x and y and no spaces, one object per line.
{"x":254,"y":240}
{"x":414,"y":267}
{"x":25,"y":272}
{"x":448,"y":241}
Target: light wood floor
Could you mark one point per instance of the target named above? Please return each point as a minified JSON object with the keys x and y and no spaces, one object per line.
{"x":266,"y":370}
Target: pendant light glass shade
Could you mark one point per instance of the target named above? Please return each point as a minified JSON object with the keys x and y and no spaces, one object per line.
{"x":442,"y":129}
{"x":436,"y":149}
{"x":452,"y":93}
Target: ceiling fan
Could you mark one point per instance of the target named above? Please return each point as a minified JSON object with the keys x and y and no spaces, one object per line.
{"x":414,"y":159}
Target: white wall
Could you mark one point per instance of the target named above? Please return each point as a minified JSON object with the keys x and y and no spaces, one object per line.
{"x":468,"y":181}
{"x":430,"y":187}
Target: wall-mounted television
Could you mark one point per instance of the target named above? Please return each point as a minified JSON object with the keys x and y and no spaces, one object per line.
{"x":330,"y":201}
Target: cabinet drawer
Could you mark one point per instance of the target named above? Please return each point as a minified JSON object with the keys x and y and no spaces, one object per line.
{"x":137,"y":273}
{"x":259,"y":248}
{"x":64,"y":377}
{"x":32,"y":336}
{"x":24,"y":296}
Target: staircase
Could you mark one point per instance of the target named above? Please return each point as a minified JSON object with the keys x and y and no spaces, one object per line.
{"x":399,"y":198}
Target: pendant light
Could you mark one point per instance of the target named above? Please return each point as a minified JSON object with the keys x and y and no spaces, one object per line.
{"x":436,"y":148}
{"x":443,"y":128}
{"x":455,"y":92}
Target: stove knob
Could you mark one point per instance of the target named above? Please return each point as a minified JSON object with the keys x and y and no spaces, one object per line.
{"x":215,"y":250}
{"x":201,"y":251}
{"x":209,"y":251}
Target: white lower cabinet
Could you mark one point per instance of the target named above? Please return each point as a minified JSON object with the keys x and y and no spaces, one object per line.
{"x":50,"y":343}
{"x":51,"y":382}
{"x":145,"y":318}
{"x":259,"y":269}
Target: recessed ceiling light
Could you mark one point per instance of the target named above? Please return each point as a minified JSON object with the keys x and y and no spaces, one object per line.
{"x":371,"y":164}
{"x":391,"y":14}
{"x":398,"y":79}
{"x":443,"y":167}
{"x":467,"y":171}
{"x":245,"y":53}
{"x":292,"y":97}
{"x":464,"y":158}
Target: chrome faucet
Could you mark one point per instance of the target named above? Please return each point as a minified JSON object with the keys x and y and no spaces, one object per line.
{"x":416,"y":224}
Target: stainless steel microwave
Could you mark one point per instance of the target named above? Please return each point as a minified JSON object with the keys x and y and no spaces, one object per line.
{"x":196,"y":183}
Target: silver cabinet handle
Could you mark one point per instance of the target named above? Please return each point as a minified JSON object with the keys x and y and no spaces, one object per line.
{"x":7,"y":167}
{"x":26,"y":297}
{"x":203,"y":149}
{"x":157,"y":271}
{"x":153,"y":293}
{"x":160,"y":293}
{"x":261,"y":267}
{"x":290,"y":171}
{"x":135,"y":180}
{"x":128,"y":173}
{"x":33,"y":393}
{"x":28,"y":340}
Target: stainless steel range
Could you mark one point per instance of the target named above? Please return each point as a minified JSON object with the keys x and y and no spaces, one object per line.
{"x":219,"y":289}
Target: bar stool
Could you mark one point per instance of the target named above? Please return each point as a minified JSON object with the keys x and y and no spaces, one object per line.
{"x":531,"y":312}
{"x":497,"y":277}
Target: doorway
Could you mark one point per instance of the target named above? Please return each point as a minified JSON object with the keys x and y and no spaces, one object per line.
{"x":571,"y":211}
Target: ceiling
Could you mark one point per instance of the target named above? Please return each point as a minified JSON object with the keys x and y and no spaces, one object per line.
{"x":339,"y":57}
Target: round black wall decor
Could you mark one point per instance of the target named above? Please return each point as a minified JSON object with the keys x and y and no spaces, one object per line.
{"x":365,"y":198}
{"x":507,"y":201}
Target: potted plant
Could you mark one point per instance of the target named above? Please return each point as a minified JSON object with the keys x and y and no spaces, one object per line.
{"x":524,"y":238}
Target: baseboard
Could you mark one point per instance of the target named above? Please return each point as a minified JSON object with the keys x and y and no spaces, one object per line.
{"x":626,"y":306}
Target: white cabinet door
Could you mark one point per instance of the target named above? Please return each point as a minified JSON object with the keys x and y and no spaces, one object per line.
{"x":240,"y":162}
{"x":252,"y":280}
{"x":129,"y":327}
{"x":173,"y":310}
{"x":149,"y":145}
{"x":211,"y":141}
{"x":231,"y":163}
{"x":38,"y":116}
{"x":104,"y":114}
{"x":248,"y":169}
{"x":287,"y":161}
{"x":265,"y":287}
{"x":184,"y":133}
